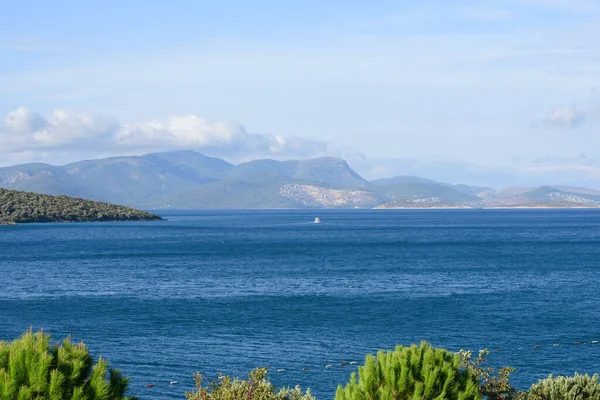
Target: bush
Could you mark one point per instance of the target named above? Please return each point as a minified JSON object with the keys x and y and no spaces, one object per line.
{"x":31,"y":368}
{"x":415,"y":372}
{"x":494,"y":385}
{"x":257,"y":387}
{"x":578,"y":387}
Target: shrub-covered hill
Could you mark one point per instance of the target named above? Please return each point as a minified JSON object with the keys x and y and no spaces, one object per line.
{"x":20,"y":207}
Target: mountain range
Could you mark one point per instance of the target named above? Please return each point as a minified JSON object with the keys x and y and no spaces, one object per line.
{"x":189,"y":180}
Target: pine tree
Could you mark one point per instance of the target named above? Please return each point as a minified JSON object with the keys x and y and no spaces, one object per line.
{"x":411,"y":373}
{"x":32,"y":368}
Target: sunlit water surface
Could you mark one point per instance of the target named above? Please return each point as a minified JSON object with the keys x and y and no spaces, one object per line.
{"x":223,"y":291}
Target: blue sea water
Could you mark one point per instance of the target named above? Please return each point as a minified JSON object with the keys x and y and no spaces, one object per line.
{"x":227,"y":291}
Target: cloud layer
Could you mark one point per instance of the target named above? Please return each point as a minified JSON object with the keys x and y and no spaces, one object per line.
{"x":27,"y":131}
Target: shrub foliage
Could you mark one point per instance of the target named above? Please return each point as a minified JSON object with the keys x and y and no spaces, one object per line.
{"x":32,"y":368}
{"x":494,"y":385}
{"x":257,"y":387}
{"x":415,"y":372}
{"x":578,"y":387}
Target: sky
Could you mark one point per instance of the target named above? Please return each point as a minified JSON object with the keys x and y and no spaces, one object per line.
{"x":502,"y":92}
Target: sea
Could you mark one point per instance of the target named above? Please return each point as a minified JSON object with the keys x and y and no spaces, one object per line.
{"x":228,"y":291}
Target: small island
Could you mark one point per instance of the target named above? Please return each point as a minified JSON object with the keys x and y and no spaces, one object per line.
{"x":26,"y":207}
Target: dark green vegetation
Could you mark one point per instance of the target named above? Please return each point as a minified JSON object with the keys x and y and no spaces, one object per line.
{"x":257,"y":387}
{"x":424,"y":372}
{"x":415,"y":372}
{"x":20,"y":207}
{"x":418,"y":372}
{"x":185,"y":179}
{"x":32,"y":368}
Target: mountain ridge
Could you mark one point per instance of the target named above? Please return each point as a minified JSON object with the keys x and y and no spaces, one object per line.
{"x":187,"y":179}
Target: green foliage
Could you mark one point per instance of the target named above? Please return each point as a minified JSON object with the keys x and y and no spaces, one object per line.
{"x":494,"y":385}
{"x":16,"y":206}
{"x":32,"y":368}
{"x":415,"y":373}
{"x":257,"y":387}
{"x":578,"y":387}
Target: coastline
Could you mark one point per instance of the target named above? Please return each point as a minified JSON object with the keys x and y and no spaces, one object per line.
{"x":486,"y":208}
{"x":541,"y":207}
{"x":371,"y":208}
{"x":11,"y":223}
{"x":424,"y":208}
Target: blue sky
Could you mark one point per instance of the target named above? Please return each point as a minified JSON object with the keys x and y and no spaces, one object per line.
{"x":455,"y":90}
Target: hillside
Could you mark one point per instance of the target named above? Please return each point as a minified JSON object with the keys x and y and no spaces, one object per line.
{"x":22,"y":207}
{"x":186,"y":179}
{"x":131,"y":180}
{"x":322,"y":182}
{"x":189,"y":180}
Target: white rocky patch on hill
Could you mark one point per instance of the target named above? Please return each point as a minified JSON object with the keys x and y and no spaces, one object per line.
{"x":311,"y":195}
{"x":14,"y":178}
{"x":427,"y":200}
{"x":560,"y":196}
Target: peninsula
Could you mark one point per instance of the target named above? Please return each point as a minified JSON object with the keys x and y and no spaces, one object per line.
{"x":24,"y":207}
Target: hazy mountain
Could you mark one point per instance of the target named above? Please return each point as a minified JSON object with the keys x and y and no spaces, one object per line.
{"x":276,"y":184}
{"x":327,"y":171}
{"x":422,"y":186}
{"x":400,"y":179}
{"x":40,"y":178}
{"x":472,"y":190}
{"x":513,"y":174}
{"x":434,"y":192}
{"x":580,"y":190}
{"x":552,"y":194}
{"x":186,"y":179}
{"x":123,"y":180}
{"x":542,"y":195}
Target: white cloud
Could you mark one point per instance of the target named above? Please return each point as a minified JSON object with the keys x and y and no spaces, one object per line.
{"x":26,"y":130}
{"x":27,"y":134}
{"x":571,"y":117}
{"x":23,"y":120}
{"x":186,"y":131}
{"x":562,"y":118}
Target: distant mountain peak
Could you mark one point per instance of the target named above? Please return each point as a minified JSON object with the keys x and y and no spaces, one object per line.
{"x":175,"y":152}
{"x":189,"y":179}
